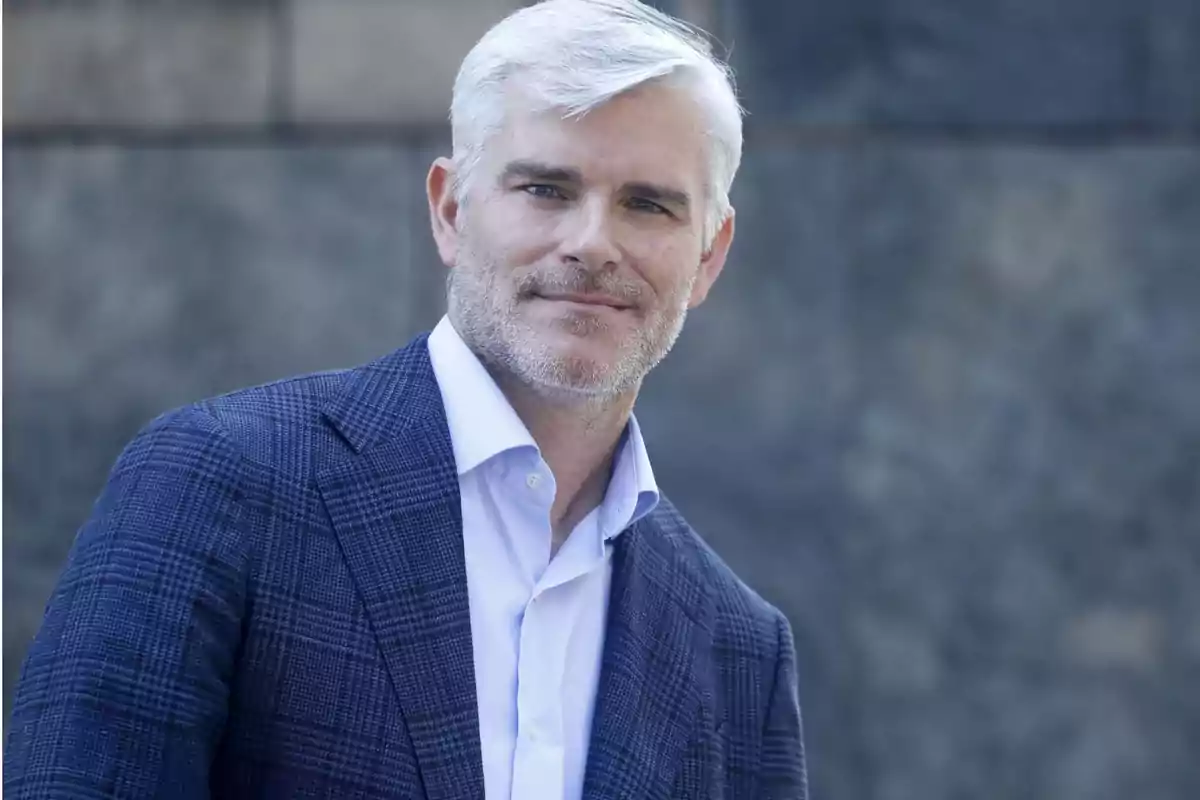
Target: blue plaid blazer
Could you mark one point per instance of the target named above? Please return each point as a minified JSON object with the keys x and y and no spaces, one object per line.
{"x":270,"y":600}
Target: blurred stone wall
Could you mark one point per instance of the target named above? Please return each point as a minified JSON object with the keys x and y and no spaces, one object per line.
{"x":943,"y":408}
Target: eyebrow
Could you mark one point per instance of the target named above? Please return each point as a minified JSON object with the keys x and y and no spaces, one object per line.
{"x":660,"y":194}
{"x":537,"y":171}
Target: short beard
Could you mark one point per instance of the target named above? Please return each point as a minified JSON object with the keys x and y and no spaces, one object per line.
{"x":484,"y":311}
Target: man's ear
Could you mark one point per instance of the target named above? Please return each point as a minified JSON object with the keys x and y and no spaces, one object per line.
{"x":443,"y":209}
{"x":712,"y":262}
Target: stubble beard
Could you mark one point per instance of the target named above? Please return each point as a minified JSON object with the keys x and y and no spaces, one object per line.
{"x":486,"y":311}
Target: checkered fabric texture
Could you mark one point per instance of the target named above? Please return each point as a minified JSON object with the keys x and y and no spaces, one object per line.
{"x":269,"y":600}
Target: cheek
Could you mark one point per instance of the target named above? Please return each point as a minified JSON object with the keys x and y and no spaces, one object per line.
{"x":670,"y":269}
{"x":513,"y":234}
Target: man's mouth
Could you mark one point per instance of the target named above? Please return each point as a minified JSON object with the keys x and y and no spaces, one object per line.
{"x":586,"y":299}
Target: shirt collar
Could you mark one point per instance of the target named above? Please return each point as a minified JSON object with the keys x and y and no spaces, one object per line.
{"x":482,"y":422}
{"x":483,"y":425}
{"x":632,"y":491}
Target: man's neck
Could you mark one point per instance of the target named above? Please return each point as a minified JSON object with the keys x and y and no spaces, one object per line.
{"x":578,"y":439}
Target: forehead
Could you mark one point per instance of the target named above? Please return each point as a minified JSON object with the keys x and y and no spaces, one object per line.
{"x":653,"y":133}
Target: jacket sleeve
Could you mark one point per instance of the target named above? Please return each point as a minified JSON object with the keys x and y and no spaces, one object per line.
{"x":783,"y":774}
{"x":124,"y":689}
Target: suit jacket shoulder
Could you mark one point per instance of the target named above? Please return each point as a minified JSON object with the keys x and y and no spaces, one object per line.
{"x":325,"y":414}
{"x":736,"y":603}
{"x":751,"y":669}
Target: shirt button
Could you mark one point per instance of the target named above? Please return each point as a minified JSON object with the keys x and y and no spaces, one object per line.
{"x":533,"y":480}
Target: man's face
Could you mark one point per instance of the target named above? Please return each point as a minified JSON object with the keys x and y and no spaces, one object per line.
{"x":579,"y":248}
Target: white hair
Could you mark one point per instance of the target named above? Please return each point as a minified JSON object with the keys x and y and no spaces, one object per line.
{"x":574,"y":55}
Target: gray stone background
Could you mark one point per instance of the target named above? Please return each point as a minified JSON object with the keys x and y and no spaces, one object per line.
{"x":943,"y":408}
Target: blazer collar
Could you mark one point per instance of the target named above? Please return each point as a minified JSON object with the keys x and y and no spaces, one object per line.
{"x":381,"y":400}
{"x":394,"y":503}
{"x":654,"y":679}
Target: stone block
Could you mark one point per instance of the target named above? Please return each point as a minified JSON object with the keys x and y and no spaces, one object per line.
{"x":117,"y":64}
{"x":946,"y":63}
{"x":376,"y":61}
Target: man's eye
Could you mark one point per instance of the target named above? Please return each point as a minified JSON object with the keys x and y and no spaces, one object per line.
{"x":641,"y":204}
{"x":544,"y":191}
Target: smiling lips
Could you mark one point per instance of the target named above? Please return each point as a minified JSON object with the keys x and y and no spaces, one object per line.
{"x":601,"y":300}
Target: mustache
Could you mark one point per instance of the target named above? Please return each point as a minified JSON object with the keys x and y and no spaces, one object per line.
{"x":580,"y":280}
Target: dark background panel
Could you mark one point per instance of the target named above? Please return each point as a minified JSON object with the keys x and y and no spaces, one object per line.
{"x":946,"y":63}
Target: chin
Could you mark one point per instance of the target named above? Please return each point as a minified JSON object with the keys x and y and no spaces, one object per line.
{"x":599,"y":355}
{"x":575,"y":356}
{"x":574,"y":372}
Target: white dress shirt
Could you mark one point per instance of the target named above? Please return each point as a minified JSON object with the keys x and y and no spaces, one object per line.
{"x":537,"y":624}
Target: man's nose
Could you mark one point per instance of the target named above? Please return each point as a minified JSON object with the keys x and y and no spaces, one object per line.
{"x":590,"y":237}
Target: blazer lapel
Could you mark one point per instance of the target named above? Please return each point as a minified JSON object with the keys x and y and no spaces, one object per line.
{"x":652,"y":681}
{"x":395,"y":508}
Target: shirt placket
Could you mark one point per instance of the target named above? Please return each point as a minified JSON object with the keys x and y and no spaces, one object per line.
{"x":538,"y":760}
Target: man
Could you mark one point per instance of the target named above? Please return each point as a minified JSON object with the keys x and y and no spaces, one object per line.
{"x":448,"y":573}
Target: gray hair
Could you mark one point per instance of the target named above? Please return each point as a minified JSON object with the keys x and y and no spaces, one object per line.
{"x":574,"y":55}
